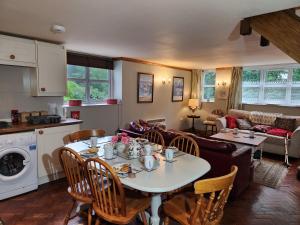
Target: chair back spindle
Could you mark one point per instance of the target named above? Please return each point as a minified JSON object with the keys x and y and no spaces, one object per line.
{"x":107,"y":190}
{"x":83,"y":135}
{"x":154,"y":137}
{"x":186,"y":144}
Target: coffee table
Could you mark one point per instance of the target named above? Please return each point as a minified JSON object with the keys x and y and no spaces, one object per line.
{"x":243,"y":139}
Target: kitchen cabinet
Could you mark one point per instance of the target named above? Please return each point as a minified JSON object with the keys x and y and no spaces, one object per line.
{"x":17,"y":51}
{"x":48,"y":141}
{"x":50,"y":78}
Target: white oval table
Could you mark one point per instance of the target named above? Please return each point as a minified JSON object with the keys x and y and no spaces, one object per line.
{"x":167,"y":177}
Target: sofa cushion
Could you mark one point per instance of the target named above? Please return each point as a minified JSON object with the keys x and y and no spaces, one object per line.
{"x":135,"y":126}
{"x":280,"y":132}
{"x":243,"y":124}
{"x":263,"y":117}
{"x":285,"y":123}
{"x":261,"y":128}
{"x":231,"y":122}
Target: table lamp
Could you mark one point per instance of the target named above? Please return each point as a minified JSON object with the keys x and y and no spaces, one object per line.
{"x":194,"y":104}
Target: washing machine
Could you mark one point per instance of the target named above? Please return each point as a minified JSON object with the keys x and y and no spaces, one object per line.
{"x":18,"y":164}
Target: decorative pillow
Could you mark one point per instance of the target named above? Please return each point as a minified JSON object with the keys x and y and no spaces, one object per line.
{"x":261,"y":128}
{"x":285,"y":123}
{"x":280,"y":132}
{"x":135,"y":126}
{"x":243,"y":124}
{"x":231,"y":122}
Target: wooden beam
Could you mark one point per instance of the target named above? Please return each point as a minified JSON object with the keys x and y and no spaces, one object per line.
{"x":150,"y":63}
{"x":264,"y":42}
{"x":280,"y":28}
{"x":245,"y":28}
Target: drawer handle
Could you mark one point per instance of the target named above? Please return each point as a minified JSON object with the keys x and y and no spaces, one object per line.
{"x":12,"y":56}
{"x":43,"y":89}
{"x":41,"y":132}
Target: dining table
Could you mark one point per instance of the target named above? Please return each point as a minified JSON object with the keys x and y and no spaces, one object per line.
{"x":167,"y":177}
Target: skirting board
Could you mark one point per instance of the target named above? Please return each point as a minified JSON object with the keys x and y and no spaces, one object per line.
{"x":51,"y":177}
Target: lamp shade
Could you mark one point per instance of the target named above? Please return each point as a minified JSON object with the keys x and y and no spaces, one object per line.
{"x":193,"y":103}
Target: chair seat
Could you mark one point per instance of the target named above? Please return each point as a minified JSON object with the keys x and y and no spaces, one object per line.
{"x":209,"y":122}
{"x":135,"y":203}
{"x":181,"y":206}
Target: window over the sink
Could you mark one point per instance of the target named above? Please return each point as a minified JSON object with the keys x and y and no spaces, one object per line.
{"x":89,"y":78}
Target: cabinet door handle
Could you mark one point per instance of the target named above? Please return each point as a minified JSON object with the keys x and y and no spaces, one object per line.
{"x":43,"y":89}
{"x":12,"y":56}
{"x":41,"y":132}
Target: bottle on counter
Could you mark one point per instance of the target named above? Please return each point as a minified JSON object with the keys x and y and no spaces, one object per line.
{"x":14,"y":116}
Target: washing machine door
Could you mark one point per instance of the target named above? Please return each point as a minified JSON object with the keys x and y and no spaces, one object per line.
{"x":14,"y":163}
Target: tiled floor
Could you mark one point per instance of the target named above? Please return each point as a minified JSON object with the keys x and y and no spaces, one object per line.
{"x":259,"y":205}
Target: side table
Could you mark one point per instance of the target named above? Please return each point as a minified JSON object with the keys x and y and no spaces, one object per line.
{"x":193,"y":117}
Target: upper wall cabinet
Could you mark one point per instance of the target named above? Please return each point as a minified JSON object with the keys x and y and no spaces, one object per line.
{"x":17,"y":51}
{"x":50,"y":79}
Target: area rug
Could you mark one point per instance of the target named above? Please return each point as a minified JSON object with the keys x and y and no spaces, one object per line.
{"x":269,"y":172}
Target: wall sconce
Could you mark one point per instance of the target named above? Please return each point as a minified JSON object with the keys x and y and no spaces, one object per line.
{"x":223,"y":83}
{"x":164,"y":81}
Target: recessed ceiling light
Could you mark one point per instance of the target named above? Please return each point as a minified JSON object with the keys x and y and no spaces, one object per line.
{"x":58,"y":29}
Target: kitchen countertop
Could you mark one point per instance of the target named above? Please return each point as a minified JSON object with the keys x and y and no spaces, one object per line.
{"x":22,"y":127}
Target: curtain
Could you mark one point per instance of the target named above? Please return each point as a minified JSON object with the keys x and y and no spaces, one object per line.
{"x":235,"y":90}
{"x":196,"y":83}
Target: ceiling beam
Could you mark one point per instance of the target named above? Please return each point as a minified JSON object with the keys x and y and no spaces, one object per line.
{"x":280,"y":28}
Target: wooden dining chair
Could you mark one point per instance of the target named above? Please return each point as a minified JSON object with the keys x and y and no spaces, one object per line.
{"x":82,"y":135}
{"x":78,"y":189}
{"x":186,"y":144}
{"x":205,"y":206}
{"x":154,"y":137}
{"x":111,"y":202}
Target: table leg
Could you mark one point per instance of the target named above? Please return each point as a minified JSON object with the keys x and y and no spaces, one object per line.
{"x":155,"y":204}
{"x":286,"y":153}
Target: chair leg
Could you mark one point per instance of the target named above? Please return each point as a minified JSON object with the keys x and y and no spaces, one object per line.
{"x":166,"y":220}
{"x":97,"y":221}
{"x":90,"y":216}
{"x":68,"y":216}
{"x":144,"y":219}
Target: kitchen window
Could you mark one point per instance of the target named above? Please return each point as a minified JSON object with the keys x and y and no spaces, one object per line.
{"x":87,"y":81}
{"x":271,"y":85}
{"x":208,"y":86}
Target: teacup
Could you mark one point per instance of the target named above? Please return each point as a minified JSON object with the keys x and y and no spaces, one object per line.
{"x":251,"y":134}
{"x":235,"y":131}
{"x":93,"y":141}
{"x":149,"y":162}
{"x":169,"y":154}
{"x":108,"y":151}
{"x":148,"y":149}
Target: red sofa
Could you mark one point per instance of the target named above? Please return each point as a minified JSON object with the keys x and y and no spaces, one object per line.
{"x":220,"y":155}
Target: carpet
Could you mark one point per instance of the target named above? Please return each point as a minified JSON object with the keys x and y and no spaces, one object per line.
{"x":269,"y":172}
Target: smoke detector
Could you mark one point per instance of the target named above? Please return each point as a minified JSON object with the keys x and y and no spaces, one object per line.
{"x":58,"y":29}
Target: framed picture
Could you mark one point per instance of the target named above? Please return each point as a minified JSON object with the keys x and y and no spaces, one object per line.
{"x":145,"y":86}
{"x":177,"y":89}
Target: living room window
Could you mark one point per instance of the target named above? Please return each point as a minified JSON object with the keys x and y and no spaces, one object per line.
{"x":89,"y":79}
{"x":208,"y":86}
{"x":271,"y":85}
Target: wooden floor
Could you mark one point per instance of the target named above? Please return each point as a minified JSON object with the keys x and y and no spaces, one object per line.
{"x":259,"y":205}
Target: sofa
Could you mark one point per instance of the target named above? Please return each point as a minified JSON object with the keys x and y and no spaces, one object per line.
{"x":275,"y":142}
{"x":220,"y":155}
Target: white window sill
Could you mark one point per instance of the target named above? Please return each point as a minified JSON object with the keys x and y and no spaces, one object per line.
{"x":89,"y":105}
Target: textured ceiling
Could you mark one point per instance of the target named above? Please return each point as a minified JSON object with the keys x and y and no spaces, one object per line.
{"x":190,"y":33}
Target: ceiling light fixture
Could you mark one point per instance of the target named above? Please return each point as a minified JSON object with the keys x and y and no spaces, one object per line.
{"x":58,"y":29}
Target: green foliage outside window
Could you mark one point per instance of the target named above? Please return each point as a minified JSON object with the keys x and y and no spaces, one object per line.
{"x":87,"y":83}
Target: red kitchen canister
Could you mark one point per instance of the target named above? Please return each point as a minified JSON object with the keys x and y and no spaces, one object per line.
{"x":75,"y":115}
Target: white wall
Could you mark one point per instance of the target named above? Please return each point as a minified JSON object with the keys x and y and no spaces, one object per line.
{"x":162,"y":106}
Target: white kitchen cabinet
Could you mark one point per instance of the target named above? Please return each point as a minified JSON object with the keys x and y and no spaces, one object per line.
{"x":48,"y":140}
{"x":17,"y":51}
{"x":51,"y":77}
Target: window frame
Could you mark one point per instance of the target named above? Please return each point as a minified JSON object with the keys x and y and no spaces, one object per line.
{"x":287,"y":101}
{"x":88,"y":81}
{"x":204,"y":72}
